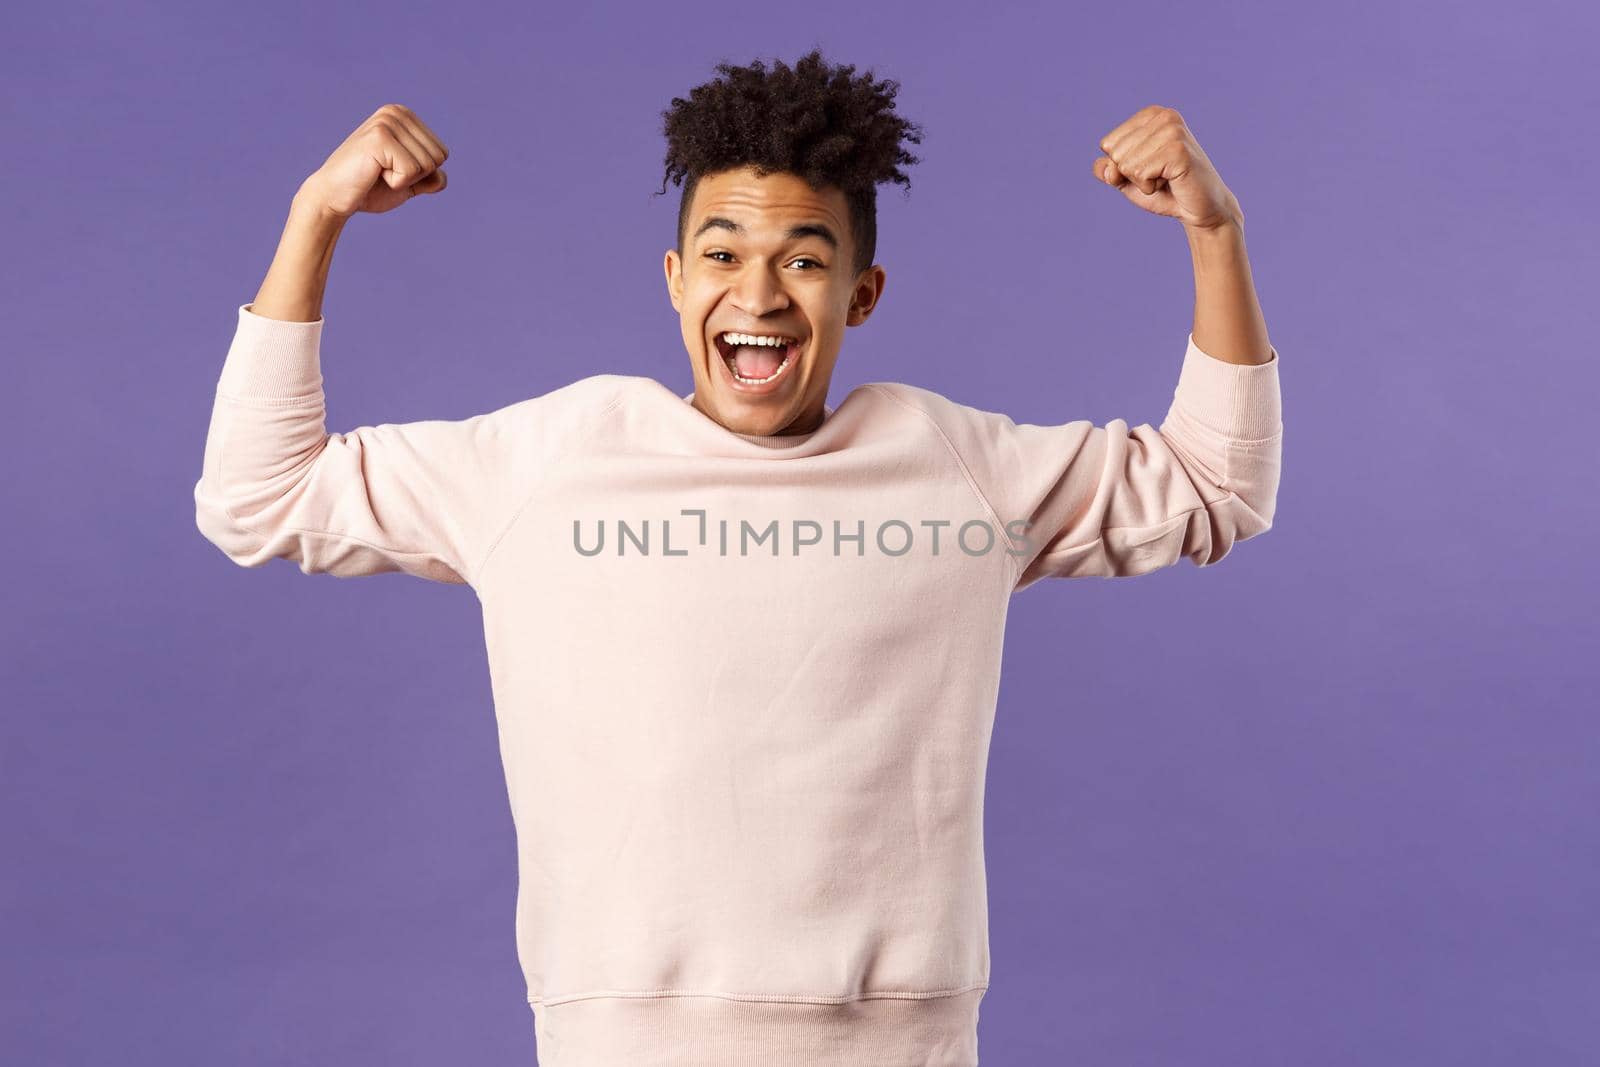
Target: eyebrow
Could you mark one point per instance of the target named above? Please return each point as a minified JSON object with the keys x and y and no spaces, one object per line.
{"x":809,"y":229}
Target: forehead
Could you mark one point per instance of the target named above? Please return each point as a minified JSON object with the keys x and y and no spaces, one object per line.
{"x":766,"y":205}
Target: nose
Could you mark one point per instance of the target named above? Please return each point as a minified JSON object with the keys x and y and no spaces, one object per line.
{"x":758,"y":294}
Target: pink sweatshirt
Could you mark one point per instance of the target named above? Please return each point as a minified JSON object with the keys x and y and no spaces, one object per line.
{"x":744,"y":685}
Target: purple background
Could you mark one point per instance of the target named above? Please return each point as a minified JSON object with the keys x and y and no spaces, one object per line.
{"x":1330,"y":802}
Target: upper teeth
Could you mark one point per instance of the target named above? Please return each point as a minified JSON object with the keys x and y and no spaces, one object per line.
{"x":756,"y":339}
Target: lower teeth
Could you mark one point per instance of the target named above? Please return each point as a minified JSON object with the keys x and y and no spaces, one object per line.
{"x":757,"y":381}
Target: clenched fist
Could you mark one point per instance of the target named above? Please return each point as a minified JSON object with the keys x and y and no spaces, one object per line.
{"x":390,"y":158}
{"x":1158,"y":165}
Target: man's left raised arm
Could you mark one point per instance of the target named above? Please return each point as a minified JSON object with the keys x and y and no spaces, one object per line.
{"x":1154,"y":159}
{"x":1112,"y":501}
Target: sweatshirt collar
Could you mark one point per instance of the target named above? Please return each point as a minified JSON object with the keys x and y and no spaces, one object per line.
{"x":792,"y":440}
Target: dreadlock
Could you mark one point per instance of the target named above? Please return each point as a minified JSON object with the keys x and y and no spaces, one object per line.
{"x":814,"y":120}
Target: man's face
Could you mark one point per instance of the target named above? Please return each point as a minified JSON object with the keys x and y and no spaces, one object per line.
{"x":742,"y":269}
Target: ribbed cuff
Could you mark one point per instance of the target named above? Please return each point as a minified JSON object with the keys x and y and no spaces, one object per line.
{"x":1239,"y":401}
{"x":272,"y":358}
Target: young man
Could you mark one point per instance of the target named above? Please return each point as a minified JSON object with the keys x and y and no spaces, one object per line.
{"x":745,"y":647}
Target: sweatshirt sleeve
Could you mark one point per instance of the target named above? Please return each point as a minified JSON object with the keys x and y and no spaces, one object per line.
{"x":423,"y":498}
{"x":1108,"y":501}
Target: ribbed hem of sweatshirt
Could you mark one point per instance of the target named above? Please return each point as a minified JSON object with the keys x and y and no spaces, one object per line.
{"x":272,"y":358}
{"x":678,"y":1030}
{"x":1239,"y":401}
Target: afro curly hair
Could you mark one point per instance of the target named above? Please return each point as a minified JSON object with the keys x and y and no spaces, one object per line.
{"x":815,"y":120}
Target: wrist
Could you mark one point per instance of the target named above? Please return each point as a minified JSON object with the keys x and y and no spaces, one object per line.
{"x":1219,"y":244}
{"x":309,"y":208}
{"x":1228,"y":222}
{"x":1224,"y":229}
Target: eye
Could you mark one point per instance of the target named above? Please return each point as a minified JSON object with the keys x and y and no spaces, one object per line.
{"x":819,"y":265}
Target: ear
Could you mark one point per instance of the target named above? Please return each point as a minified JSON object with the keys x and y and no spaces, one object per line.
{"x":868,"y":291}
{"x":674,"y":269}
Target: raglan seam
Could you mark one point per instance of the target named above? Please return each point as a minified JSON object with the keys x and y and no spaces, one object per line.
{"x":1013,"y":563}
{"x":538,"y":483}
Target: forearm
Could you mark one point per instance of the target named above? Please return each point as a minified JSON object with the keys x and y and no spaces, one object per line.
{"x":296,"y":281}
{"x":1227,"y":316}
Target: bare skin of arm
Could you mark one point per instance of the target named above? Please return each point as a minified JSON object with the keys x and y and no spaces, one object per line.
{"x":295,"y":283}
{"x":390,"y":158}
{"x":1153,"y":158}
{"x":1227,"y":316}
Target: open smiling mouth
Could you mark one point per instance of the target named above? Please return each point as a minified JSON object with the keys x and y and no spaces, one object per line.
{"x":756,"y":361}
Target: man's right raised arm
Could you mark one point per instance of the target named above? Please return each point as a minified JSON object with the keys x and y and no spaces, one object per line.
{"x":417,"y":497}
